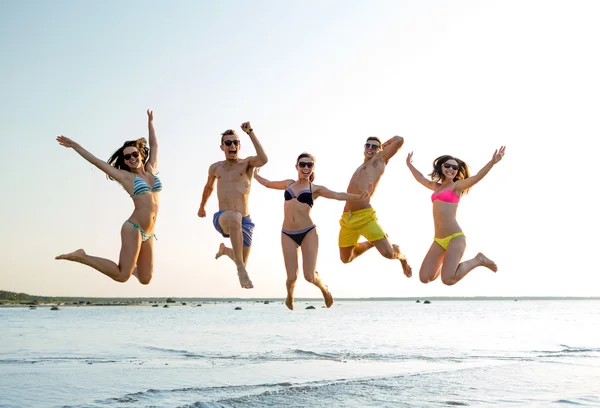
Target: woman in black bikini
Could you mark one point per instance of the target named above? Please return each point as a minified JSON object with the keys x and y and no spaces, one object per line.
{"x":298,"y":229}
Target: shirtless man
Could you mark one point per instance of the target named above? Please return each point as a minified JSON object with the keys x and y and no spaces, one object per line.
{"x":233,"y":176}
{"x":359,"y":217}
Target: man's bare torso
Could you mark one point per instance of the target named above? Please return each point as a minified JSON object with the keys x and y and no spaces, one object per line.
{"x":233,"y":185}
{"x":368,"y":173}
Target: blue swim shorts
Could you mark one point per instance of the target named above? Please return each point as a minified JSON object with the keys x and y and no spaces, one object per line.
{"x":247,"y":227}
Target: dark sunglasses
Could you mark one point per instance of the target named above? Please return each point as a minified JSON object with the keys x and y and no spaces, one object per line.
{"x":306,"y":164}
{"x":371,"y":146}
{"x":129,"y":155}
{"x":230,"y":142}
{"x":450,"y":166}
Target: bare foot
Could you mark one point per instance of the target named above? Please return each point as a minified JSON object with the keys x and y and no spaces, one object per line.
{"x":244,"y":278}
{"x":405,"y":266}
{"x":221,"y":251}
{"x":72,"y":256}
{"x":487,"y":262}
{"x":289,"y":302}
{"x":328,"y":297}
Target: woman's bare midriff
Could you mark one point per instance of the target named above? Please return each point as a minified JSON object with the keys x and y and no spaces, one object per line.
{"x":145,"y":211}
{"x":296,"y":216}
{"x":444,"y":219}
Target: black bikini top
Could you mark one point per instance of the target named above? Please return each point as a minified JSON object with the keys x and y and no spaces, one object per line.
{"x":304,"y":196}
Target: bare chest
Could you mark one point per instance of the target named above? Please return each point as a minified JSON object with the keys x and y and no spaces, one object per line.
{"x":368,"y":173}
{"x":233,"y":176}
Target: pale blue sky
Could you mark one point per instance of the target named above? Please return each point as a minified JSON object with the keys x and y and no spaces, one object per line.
{"x":452,"y":77}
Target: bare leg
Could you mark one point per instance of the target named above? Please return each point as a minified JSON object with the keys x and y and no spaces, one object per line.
{"x":145,"y":262}
{"x":431,"y":266}
{"x":130,"y":248}
{"x":452,"y":271}
{"x":310,"y":250}
{"x":349,"y":254}
{"x":231,"y":224}
{"x":390,"y":251}
{"x":290,"y":258}
{"x":246,"y":254}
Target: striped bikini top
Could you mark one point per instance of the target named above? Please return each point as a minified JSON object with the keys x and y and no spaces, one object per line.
{"x":141,"y":187}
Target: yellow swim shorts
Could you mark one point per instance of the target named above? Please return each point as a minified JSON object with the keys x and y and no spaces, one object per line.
{"x":356,"y":223}
{"x":444,"y":242}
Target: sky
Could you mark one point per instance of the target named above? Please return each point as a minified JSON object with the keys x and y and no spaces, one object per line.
{"x":451,"y":77}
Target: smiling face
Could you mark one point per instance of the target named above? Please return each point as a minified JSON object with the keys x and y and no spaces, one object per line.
{"x":132,"y":157}
{"x":450,"y":169}
{"x":372,"y":147}
{"x":231,"y":146}
{"x":305,"y":167}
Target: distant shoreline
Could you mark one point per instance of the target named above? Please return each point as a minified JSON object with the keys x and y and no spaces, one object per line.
{"x":47,"y":301}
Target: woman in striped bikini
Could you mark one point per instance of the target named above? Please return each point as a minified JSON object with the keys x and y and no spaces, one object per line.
{"x":299,"y":231}
{"x":450,"y":179}
{"x":134,"y":167}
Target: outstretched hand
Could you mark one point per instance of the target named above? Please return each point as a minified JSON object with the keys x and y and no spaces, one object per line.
{"x":246,"y":127}
{"x":150,"y":115}
{"x":65,"y":141}
{"x":498,"y":154}
{"x":409,"y":158}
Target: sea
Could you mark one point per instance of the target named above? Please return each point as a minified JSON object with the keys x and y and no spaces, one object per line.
{"x":359,"y":353}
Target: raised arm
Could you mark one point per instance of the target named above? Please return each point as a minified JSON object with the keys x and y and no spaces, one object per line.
{"x":152,"y":162}
{"x":321,"y":191}
{"x":276,"y":185}
{"x":430,"y":184}
{"x":391,"y":147}
{"x":261,"y":157}
{"x":208,"y":189}
{"x":467,"y":183}
{"x":119,"y":175}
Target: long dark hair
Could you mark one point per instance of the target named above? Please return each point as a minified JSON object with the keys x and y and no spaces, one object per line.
{"x":438,"y":176}
{"x":309,"y":156}
{"x":118,"y":161}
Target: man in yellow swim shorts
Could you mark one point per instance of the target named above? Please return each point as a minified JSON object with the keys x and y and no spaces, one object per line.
{"x":359,"y":218}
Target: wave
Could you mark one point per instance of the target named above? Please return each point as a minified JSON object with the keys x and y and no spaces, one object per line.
{"x":587,"y":401}
{"x":369,"y":390}
{"x":291,"y":355}
{"x":569,"y":351}
{"x":395,"y":390}
{"x":57,"y":360}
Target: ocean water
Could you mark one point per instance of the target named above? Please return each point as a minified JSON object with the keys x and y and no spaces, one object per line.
{"x":530,"y":353}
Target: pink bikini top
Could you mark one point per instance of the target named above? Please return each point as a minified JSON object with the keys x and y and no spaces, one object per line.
{"x":447,"y":196}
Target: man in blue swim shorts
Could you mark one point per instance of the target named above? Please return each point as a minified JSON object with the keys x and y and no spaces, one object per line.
{"x":233,"y":177}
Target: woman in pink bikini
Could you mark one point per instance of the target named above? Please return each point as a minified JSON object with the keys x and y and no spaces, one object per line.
{"x":450,"y":180}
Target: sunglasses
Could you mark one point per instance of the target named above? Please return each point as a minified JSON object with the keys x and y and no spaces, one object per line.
{"x":230,"y":142}
{"x":450,"y":166}
{"x":371,"y":146}
{"x":129,"y":155}
{"x":305,"y":164}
